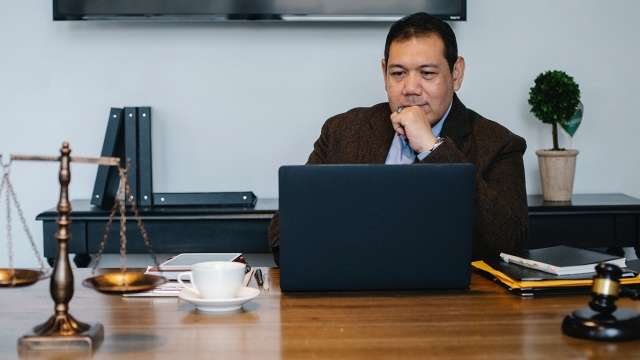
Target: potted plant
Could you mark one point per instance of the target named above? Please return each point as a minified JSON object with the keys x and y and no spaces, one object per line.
{"x":555,"y":100}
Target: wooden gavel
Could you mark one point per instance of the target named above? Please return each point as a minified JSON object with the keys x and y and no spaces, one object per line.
{"x":602,"y":320}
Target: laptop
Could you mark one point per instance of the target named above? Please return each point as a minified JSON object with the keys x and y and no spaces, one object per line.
{"x":375,"y":227}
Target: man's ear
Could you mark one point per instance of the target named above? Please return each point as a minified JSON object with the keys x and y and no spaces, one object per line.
{"x":384,"y":72}
{"x":458,"y":73}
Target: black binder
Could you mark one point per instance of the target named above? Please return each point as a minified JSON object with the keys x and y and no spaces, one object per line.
{"x":221,"y":199}
{"x":128,"y":137}
{"x":131,"y":153}
{"x":145,"y":178}
{"x":106,"y":184}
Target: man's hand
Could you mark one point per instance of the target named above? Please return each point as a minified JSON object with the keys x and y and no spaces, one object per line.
{"x":411,"y":122}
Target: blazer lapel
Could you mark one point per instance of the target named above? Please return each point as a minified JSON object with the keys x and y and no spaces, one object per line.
{"x":381,"y":136}
{"x":458,"y":124}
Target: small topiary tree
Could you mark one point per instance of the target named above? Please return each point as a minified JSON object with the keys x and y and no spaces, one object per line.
{"x":555,"y":99}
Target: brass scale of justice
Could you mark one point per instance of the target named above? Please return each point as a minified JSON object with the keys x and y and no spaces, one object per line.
{"x":61,"y":330}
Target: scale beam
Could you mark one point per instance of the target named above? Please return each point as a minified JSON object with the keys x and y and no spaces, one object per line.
{"x":107,"y":161}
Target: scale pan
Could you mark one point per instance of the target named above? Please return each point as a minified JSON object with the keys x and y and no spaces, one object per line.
{"x":127,"y":282}
{"x":18,"y":277}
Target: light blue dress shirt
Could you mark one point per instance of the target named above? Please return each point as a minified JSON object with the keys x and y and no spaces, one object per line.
{"x":401,"y":152}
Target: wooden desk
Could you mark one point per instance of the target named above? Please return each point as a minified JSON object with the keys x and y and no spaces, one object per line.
{"x":483,"y":323}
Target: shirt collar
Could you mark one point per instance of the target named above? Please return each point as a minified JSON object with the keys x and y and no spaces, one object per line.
{"x":437,"y":128}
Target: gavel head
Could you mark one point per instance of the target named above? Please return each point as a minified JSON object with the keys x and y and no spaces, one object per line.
{"x":606,"y":288}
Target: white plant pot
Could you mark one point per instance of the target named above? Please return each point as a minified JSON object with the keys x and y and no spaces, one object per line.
{"x":557,"y":170}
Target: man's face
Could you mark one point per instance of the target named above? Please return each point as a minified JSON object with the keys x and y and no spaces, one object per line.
{"x":417,"y":74}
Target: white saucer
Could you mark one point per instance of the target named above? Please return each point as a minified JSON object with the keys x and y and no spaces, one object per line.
{"x":219,"y":305}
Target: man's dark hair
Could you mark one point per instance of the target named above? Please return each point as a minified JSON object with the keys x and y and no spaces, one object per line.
{"x":421,"y":24}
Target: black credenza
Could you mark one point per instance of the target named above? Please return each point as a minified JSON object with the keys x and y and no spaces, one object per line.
{"x":171,"y":230}
{"x":589,"y":220}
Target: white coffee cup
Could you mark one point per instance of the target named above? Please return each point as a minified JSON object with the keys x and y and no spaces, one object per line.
{"x":215,"y":279}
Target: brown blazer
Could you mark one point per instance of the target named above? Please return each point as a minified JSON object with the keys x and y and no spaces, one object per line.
{"x":364,"y":135}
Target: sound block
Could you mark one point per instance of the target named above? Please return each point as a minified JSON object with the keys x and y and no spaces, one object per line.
{"x":85,"y":342}
{"x":621,"y":325}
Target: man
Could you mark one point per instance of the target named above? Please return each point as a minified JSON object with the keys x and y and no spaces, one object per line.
{"x":425,"y":122}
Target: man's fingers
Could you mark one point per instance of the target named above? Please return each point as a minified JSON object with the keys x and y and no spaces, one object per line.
{"x":397,"y":125}
{"x":396,"y":119}
{"x":398,"y":128}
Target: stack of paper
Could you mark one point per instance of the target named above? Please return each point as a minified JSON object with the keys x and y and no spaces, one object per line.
{"x":171,"y":268}
{"x":169,"y":289}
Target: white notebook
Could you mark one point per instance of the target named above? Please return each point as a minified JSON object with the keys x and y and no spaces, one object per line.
{"x":183,"y":262}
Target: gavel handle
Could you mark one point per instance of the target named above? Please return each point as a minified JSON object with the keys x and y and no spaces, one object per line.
{"x":630,"y":293}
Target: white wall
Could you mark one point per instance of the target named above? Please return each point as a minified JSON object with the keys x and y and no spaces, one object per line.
{"x":232,"y":102}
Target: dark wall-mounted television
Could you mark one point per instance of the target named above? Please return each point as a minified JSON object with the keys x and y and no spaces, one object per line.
{"x":261,"y":10}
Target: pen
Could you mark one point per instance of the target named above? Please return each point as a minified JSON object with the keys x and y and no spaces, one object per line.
{"x":247,"y":278}
{"x":258,"y":275}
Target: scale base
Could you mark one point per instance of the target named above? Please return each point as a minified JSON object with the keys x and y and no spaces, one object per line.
{"x":62,"y":333}
{"x":621,"y":325}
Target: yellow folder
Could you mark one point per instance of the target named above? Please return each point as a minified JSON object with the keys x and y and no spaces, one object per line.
{"x":537,"y":284}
